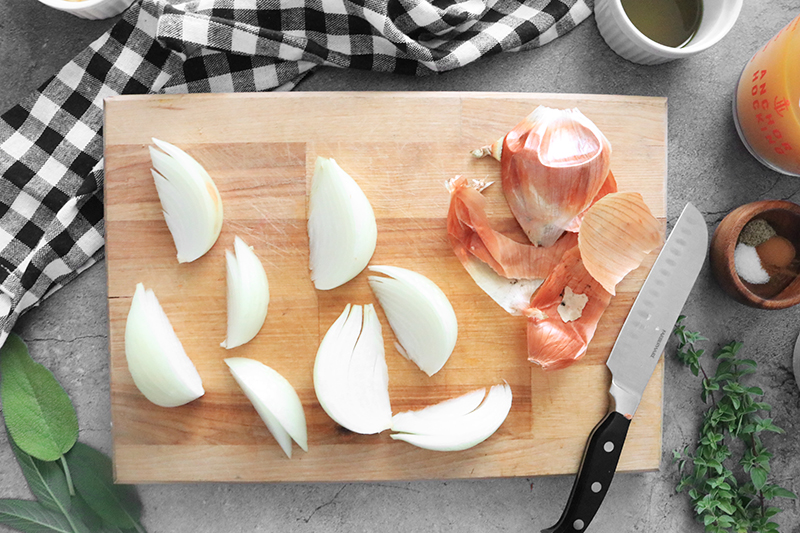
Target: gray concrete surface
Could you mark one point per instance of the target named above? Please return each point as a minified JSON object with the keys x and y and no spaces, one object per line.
{"x":708,"y":166}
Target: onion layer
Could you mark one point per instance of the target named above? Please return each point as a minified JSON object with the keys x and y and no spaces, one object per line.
{"x":455,"y":424}
{"x":616,"y":234}
{"x":160,"y":368}
{"x":351,"y":378}
{"x":275,"y":400}
{"x":420,"y":315}
{"x":189,"y":198}
{"x":248,"y":294}
{"x":342,"y":232}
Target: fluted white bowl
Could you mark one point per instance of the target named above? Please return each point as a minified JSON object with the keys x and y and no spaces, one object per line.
{"x":90,"y":9}
{"x":627,"y":41}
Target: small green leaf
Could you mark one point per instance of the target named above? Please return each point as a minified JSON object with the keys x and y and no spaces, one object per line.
{"x":759,"y":477}
{"x":780,"y":492}
{"x":37,"y":410}
{"x":32,"y":517}
{"x":117,"y":505}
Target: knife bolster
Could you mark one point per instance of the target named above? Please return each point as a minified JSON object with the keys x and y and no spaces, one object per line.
{"x":622,"y":401}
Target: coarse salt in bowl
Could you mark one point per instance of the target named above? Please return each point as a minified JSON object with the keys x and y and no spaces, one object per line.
{"x":90,"y":9}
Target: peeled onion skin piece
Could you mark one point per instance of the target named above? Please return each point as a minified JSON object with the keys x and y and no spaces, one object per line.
{"x":447,"y":431}
{"x":553,"y":343}
{"x":617,"y":233}
{"x":275,"y":400}
{"x":470,"y":233}
{"x":553,"y":164}
{"x":158,"y":364}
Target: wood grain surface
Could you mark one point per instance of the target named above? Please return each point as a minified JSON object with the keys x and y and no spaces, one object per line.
{"x":400,"y":147}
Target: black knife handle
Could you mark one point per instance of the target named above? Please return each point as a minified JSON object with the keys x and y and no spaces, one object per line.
{"x":594,"y":475}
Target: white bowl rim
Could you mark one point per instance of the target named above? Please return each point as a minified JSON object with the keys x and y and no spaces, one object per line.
{"x":80,"y":5}
{"x":672,"y":52}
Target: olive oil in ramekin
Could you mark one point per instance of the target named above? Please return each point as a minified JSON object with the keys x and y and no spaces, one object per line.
{"x":668,"y":22}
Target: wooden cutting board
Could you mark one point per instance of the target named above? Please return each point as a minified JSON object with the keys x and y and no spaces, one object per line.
{"x":400,"y":147}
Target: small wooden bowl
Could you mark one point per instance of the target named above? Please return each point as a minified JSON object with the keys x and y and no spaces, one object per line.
{"x":784,"y":217}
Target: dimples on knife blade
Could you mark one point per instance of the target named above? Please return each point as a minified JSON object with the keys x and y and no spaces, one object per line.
{"x":655,"y":311}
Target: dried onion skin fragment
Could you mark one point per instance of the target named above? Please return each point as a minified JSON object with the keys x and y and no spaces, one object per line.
{"x":616,"y":234}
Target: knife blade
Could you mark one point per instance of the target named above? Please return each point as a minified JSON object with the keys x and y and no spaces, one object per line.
{"x":632,"y":361}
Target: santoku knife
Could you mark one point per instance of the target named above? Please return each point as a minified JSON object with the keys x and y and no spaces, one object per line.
{"x":633,"y":359}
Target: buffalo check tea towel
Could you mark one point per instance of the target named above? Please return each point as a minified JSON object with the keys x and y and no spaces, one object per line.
{"x":51,"y":146}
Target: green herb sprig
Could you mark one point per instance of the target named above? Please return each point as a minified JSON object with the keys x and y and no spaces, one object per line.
{"x":72,"y":482}
{"x":724,"y":502}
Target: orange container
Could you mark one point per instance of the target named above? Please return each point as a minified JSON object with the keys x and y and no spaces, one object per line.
{"x":766,"y":105}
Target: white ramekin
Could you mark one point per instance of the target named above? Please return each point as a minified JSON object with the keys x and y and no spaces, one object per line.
{"x":627,"y":41}
{"x":90,"y":9}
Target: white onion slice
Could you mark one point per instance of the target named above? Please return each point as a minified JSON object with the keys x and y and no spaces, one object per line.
{"x":248,"y":294}
{"x":275,"y":400}
{"x":342,"y":232}
{"x":420,"y":315}
{"x":451,"y":425}
{"x":160,"y":368}
{"x":190,"y":200}
{"x":351,"y":378}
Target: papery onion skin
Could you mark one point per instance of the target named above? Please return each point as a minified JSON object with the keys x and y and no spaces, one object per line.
{"x":553,"y":163}
{"x":553,"y":343}
{"x":470,"y":232}
{"x":517,"y":269}
{"x":248,"y":295}
{"x":190,"y":200}
{"x":158,"y":364}
{"x":616,"y":234}
{"x":275,"y":400}
{"x":351,"y":378}
{"x":419,"y":313}
{"x":456,"y":433}
{"x":342,"y":231}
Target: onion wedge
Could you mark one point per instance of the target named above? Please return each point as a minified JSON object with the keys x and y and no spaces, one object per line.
{"x":160,"y":368}
{"x":616,"y":235}
{"x":342,"y":232}
{"x":275,"y":400}
{"x":351,"y":378}
{"x":420,"y":315}
{"x":455,"y":424}
{"x":248,"y":294}
{"x":190,"y":200}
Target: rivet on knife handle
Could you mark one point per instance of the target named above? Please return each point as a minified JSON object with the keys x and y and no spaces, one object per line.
{"x":594,"y":475}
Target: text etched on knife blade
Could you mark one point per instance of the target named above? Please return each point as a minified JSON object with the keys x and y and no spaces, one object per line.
{"x":656,"y":351}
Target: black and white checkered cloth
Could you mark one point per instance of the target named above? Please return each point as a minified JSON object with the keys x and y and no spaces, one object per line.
{"x":51,"y":146}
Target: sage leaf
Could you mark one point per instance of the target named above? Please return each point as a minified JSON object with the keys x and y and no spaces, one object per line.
{"x":81,"y":509}
{"x":37,"y":410}
{"x":46,"y":481}
{"x":118,"y":505}
{"x":33,"y":517}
